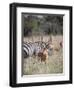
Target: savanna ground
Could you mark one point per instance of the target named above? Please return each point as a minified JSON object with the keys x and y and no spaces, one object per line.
{"x":54,"y":65}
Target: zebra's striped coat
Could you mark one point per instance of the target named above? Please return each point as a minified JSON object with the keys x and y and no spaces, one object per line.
{"x":30,"y":48}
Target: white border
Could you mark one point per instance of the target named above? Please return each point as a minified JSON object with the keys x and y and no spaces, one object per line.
{"x":48,"y":77}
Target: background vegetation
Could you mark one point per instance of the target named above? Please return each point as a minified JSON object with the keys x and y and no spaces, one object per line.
{"x":43,"y":24}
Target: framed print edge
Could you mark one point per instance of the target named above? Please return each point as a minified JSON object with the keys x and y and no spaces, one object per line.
{"x":70,"y":39}
{"x":13,"y":45}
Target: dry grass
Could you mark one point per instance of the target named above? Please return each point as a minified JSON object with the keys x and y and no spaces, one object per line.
{"x":32,"y":65}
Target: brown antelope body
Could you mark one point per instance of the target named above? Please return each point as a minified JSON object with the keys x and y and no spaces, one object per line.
{"x":43,"y":56}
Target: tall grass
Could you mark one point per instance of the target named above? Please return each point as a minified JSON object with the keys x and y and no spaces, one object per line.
{"x":54,"y":65}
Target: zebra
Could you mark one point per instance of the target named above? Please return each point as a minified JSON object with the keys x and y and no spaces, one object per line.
{"x":30,"y":48}
{"x":33,"y":48}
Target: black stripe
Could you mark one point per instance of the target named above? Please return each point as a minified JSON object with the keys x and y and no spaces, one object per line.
{"x":26,"y":48}
{"x":28,"y":44}
{"x":25,"y":54}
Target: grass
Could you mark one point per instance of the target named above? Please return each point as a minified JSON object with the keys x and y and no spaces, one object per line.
{"x":54,"y":65}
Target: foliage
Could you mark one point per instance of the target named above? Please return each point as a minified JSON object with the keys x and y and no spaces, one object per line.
{"x":46,"y":24}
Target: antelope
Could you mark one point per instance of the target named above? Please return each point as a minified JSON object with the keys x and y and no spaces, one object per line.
{"x":61,"y":44}
{"x":43,"y":56}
